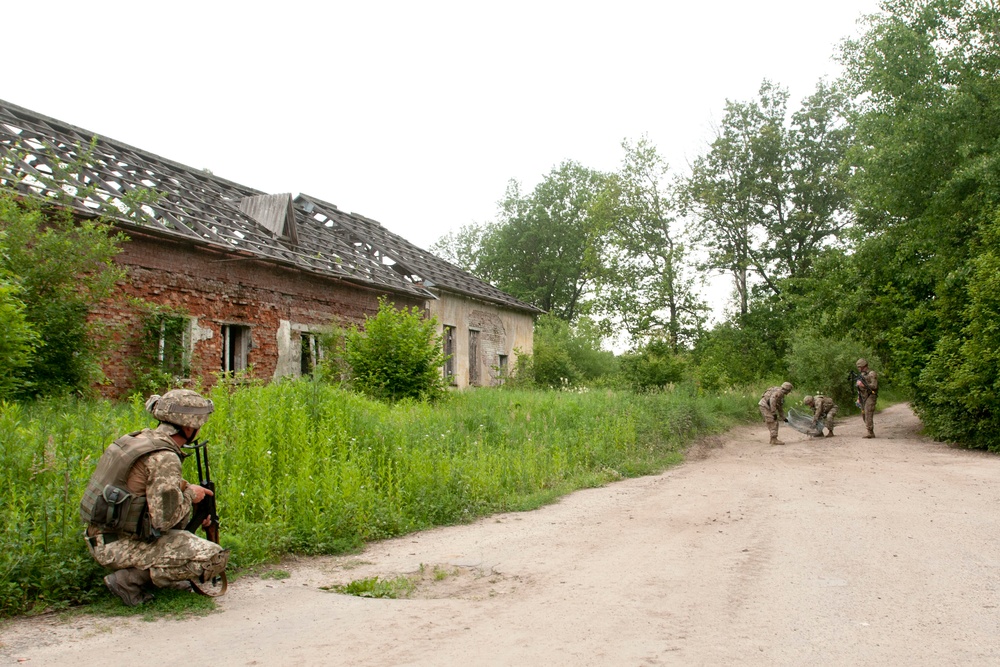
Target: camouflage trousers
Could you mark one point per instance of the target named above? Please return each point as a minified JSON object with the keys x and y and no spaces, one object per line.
{"x":770,"y":419}
{"x":827,"y":419}
{"x":868,"y":411}
{"x":177,"y":555}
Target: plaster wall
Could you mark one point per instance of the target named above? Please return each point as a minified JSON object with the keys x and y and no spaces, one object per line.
{"x":499,"y":332}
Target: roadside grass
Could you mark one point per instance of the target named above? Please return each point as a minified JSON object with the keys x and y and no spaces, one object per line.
{"x":374,"y":587}
{"x":166,"y":603}
{"x":306,"y":468}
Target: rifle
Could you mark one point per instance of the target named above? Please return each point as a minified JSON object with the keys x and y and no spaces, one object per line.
{"x":206,"y":509}
{"x":853,"y":377}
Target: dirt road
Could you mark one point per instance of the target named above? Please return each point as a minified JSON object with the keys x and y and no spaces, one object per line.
{"x":835,"y":551}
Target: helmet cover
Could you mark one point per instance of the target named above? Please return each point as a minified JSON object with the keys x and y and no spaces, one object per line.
{"x":181,"y":407}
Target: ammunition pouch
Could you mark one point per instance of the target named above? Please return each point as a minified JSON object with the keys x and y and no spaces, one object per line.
{"x":118,"y":511}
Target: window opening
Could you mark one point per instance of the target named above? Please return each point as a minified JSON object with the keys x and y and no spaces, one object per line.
{"x":473,"y":357}
{"x":311,"y":353}
{"x":449,"y":351}
{"x":235,"y":346}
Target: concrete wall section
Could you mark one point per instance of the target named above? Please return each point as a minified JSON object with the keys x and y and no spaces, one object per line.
{"x":497,"y":332}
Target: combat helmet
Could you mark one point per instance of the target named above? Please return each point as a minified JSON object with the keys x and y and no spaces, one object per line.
{"x":861,"y":363}
{"x":181,"y":407}
{"x":787,"y":386}
{"x":808,"y":400}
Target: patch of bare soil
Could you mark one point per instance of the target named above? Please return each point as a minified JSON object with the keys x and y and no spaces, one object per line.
{"x":832,"y":551}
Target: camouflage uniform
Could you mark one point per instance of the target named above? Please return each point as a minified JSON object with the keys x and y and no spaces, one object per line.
{"x":867,"y":395}
{"x":772,"y":409}
{"x":176,"y":555}
{"x":824,"y":409}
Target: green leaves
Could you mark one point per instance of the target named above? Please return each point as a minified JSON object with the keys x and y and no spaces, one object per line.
{"x":397,"y":356}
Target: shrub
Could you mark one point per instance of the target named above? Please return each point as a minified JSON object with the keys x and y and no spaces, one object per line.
{"x":820,"y":365}
{"x":61,"y":267}
{"x":16,"y":343}
{"x":654,"y":366}
{"x":398,"y":355}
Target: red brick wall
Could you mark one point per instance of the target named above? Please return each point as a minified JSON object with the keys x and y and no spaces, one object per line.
{"x":221,"y":288}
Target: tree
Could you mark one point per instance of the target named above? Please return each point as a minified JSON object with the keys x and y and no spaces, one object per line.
{"x":545,"y":247}
{"x":928,"y":129}
{"x":643,"y":284}
{"x":59,"y":267}
{"x":398,"y":355}
{"x":770,"y":195}
{"x":462,"y":248}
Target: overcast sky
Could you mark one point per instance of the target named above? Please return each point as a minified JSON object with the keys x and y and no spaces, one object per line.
{"x":415,"y":114}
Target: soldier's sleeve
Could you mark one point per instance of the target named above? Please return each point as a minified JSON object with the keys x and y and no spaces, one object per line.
{"x":873,"y":380}
{"x":168,"y":504}
{"x":817,"y":411}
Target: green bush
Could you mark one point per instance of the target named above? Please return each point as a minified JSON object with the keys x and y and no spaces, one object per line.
{"x":61,"y":267}
{"x":818,"y":364}
{"x":730,"y":356}
{"x":654,"y":366}
{"x":397,"y":356}
{"x":564,"y":356}
{"x":17,"y":342}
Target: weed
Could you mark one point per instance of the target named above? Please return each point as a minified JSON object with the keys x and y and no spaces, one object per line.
{"x":307,"y":468}
{"x":373,"y":587}
{"x":276,"y":574}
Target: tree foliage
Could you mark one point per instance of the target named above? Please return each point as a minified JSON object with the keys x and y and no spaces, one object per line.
{"x":769,"y":194}
{"x":57,"y":268}
{"x":927,"y":193}
{"x":645,"y":284}
{"x":397,"y":355}
{"x":544,"y":248}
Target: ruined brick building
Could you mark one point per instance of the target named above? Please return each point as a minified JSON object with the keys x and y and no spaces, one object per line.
{"x":248,"y":280}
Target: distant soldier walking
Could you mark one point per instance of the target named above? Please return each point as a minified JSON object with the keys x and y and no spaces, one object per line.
{"x":867,"y":386}
{"x":824,"y":410}
{"x":772,"y":408}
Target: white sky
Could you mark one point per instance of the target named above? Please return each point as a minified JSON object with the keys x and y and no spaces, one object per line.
{"x":415,"y":114}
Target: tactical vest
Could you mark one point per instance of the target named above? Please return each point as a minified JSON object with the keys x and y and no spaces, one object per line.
{"x":107,"y":503}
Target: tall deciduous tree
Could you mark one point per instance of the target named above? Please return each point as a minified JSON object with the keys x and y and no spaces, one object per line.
{"x":770,"y":194}
{"x":644,"y":285}
{"x":544,"y":247}
{"x":928,"y":155}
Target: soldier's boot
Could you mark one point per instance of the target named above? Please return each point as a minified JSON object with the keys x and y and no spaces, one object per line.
{"x":129,"y":585}
{"x":775,"y":441}
{"x":870,"y":434}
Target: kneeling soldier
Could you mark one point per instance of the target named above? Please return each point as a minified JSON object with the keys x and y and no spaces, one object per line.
{"x":137,"y":504}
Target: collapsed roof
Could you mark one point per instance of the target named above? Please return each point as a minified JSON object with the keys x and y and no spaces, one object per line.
{"x":148,"y":192}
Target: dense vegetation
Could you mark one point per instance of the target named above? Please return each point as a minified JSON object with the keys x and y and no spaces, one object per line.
{"x":864,"y":221}
{"x":306,"y":467}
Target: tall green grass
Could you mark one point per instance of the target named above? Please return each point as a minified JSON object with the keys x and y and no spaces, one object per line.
{"x":303,"y":467}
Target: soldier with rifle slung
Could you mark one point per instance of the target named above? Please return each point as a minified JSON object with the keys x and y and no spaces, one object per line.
{"x":866,"y":383}
{"x":137,"y":505}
